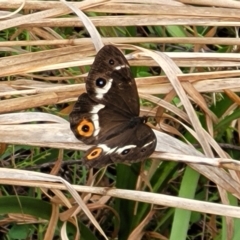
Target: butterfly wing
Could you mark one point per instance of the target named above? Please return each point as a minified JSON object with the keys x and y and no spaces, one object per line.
{"x":131,"y":145}
{"x":93,"y":122}
{"x":110,"y":82}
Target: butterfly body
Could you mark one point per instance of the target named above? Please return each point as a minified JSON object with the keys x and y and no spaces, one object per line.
{"x":107,"y":115}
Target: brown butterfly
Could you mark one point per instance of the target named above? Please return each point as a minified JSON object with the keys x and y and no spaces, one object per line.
{"x":107,"y":115}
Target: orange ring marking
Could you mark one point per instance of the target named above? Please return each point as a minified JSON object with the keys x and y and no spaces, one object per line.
{"x":85,"y":123}
{"x":95,"y":153}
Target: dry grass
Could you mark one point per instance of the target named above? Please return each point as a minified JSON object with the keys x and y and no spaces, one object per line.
{"x":25,"y":84}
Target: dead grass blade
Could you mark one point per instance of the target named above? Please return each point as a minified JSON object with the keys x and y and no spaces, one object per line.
{"x":60,"y":136}
{"x":14,"y":174}
{"x":152,"y":198}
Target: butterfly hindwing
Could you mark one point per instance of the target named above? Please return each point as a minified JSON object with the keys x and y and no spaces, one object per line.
{"x":136,"y":145}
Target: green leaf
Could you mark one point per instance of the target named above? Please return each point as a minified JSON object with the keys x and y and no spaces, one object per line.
{"x":182,"y":217}
{"x":19,"y":232}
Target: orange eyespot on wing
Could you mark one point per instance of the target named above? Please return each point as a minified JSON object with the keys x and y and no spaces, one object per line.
{"x":85,"y":128}
{"x":95,"y":153}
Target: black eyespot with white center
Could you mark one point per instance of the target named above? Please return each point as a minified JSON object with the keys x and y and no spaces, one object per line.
{"x":85,"y":128}
{"x":143,"y":150}
{"x":94,"y":153}
{"x":111,"y":62}
{"x":101,"y":82}
{"x":126,"y":151}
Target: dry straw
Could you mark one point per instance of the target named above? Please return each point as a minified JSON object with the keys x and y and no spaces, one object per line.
{"x":39,"y":19}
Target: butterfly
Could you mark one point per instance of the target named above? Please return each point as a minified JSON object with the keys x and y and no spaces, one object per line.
{"x":107,"y":115}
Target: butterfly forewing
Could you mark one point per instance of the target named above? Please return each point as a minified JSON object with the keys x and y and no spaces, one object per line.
{"x":110,"y":82}
{"x":93,"y":122}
